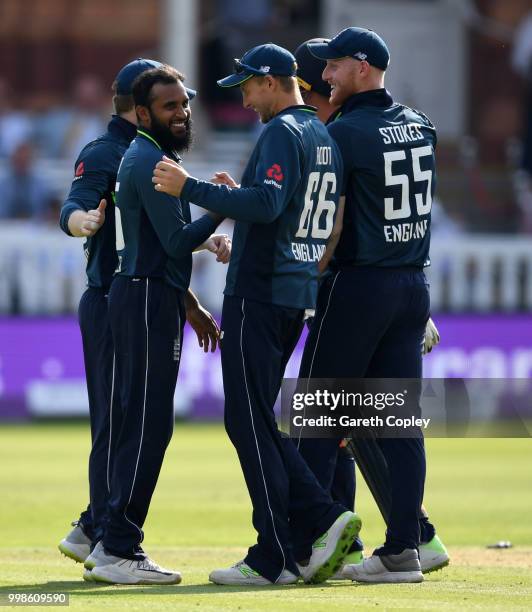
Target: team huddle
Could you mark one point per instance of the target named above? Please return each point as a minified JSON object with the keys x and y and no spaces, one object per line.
{"x":339,"y":174}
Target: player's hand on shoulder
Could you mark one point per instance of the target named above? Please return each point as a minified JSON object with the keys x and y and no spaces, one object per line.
{"x":224,"y":178}
{"x":206,"y":328}
{"x":94,"y":219}
{"x":220,"y":245}
{"x":432,"y":337}
{"x":169,"y":176}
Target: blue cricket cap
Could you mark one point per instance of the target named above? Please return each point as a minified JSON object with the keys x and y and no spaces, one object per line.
{"x":359,"y":43}
{"x":260,"y":61}
{"x":127,"y":75}
{"x":310,"y":68}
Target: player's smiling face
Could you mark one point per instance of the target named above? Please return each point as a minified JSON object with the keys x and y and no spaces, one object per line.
{"x":169,"y":115}
{"x":170,"y":106}
{"x":257,"y":95}
{"x":343,"y":75}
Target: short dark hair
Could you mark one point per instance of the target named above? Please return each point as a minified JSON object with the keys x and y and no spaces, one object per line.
{"x":122,"y":103}
{"x":144,"y":83}
{"x":287,"y":83}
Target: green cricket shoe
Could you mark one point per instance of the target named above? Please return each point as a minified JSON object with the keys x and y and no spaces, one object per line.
{"x":330,"y":549}
{"x":433,"y":555}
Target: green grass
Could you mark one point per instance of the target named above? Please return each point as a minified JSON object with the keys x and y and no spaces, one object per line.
{"x":478,"y":492}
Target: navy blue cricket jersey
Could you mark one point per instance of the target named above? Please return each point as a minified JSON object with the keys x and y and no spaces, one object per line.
{"x":154,"y":233}
{"x":285,"y":210}
{"x":95,"y":176}
{"x":389,"y":180}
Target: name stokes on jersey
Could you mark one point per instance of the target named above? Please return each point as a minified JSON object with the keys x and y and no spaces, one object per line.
{"x":317,"y":216}
{"x":411,"y":160}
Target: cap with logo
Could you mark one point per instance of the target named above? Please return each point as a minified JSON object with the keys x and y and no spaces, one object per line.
{"x":359,"y":43}
{"x":310,"y":68}
{"x":127,"y":75}
{"x":260,"y":61}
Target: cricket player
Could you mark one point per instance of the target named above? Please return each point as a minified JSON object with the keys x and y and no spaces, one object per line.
{"x":155,"y":239}
{"x":285,"y":211}
{"x":368,"y":455}
{"x":378,"y":287}
{"x":83,"y":214}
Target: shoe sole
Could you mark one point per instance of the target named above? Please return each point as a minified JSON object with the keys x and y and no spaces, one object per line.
{"x":341,"y":550}
{"x":95,"y":577}
{"x":70,"y":553}
{"x":391,"y":578}
{"x":237,"y":582}
{"x":87,"y":576}
{"x":439,"y":565}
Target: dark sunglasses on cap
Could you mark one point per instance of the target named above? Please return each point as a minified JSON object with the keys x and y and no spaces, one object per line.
{"x":240,"y":68}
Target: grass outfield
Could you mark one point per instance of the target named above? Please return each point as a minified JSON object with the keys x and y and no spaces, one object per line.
{"x":478,"y":492}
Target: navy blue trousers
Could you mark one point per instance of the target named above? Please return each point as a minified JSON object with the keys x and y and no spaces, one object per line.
{"x":288,"y":503}
{"x":103,"y":404}
{"x":370,"y":323}
{"x":147,"y":318}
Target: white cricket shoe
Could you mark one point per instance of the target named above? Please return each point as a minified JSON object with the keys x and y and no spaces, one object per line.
{"x":100,"y":557}
{"x":243,"y":575}
{"x":403,"y":567}
{"x":130,"y":571}
{"x":344,"y":573}
{"x":76,"y":545}
{"x":331,"y":548}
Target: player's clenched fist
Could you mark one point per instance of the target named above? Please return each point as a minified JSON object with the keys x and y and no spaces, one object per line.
{"x":220,"y":245}
{"x":94,"y":219}
{"x":169,"y":177}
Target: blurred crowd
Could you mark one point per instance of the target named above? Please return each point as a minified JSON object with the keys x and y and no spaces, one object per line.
{"x":53,"y":134}
{"x":480,"y":191}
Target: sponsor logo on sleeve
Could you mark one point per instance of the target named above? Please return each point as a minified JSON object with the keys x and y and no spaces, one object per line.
{"x":275,"y":176}
{"x":79,"y":171}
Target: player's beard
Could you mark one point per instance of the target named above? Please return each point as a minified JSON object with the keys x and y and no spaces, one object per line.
{"x":168,"y":141}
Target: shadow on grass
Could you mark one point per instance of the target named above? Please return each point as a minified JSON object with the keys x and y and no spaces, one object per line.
{"x":97,"y":589}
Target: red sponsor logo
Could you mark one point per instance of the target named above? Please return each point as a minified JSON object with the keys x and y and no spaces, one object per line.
{"x":80,"y":169}
{"x":275,"y":173}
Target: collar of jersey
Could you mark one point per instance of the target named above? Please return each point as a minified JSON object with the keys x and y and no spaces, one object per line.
{"x":123,"y":127}
{"x":144,"y":133}
{"x":380,"y":98}
{"x":302,"y":107}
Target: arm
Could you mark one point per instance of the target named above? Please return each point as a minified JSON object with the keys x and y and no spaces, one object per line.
{"x":333,"y":238}
{"x":83,"y":212}
{"x":165,"y":212}
{"x":274,"y":181}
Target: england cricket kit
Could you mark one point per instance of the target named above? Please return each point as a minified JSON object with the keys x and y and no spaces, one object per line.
{"x":372,"y":310}
{"x":94,"y":178}
{"x":155,"y":239}
{"x":284,"y":212}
